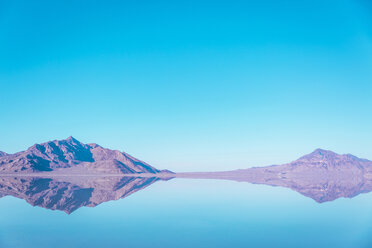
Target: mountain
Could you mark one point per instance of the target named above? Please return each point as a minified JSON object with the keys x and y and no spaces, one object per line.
{"x":322,"y":162}
{"x":71,"y":193}
{"x":72,"y":156}
{"x":331,"y":161}
{"x":321,"y":175}
{"x":2,"y":154}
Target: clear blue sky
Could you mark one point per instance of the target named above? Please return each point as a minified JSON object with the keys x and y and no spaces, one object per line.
{"x":189,"y":85}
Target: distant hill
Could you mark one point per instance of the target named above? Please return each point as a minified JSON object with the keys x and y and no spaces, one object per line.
{"x":321,"y":175}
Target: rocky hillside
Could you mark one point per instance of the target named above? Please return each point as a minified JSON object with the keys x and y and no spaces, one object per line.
{"x":72,"y":156}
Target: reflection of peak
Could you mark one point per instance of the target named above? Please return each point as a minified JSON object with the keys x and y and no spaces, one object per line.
{"x":70,"y":194}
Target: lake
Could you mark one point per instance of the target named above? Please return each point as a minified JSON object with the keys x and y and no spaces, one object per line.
{"x":191,"y":213}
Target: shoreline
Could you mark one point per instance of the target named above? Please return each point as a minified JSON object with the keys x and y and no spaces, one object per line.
{"x":85,"y":175}
{"x":190,"y":175}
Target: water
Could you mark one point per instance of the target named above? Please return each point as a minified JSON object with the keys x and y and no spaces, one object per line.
{"x":193,"y":213}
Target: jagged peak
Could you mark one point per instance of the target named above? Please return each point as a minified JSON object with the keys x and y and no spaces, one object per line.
{"x":319,"y":153}
{"x":330,"y":156}
{"x":70,"y":141}
{"x":70,"y":138}
{"x":323,"y":152}
{"x":2,"y":154}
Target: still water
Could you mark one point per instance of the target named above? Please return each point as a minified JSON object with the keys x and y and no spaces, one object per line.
{"x":190,"y":213}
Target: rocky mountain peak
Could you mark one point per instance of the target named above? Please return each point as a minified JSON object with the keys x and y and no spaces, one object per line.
{"x":73,"y":155}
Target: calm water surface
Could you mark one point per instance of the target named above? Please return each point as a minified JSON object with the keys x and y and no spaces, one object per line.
{"x":194,"y":213}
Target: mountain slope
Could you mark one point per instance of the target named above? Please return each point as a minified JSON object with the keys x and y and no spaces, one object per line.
{"x":320,"y":162}
{"x":72,"y":156}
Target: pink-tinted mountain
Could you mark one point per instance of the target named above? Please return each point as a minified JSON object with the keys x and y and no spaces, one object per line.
{"x":71,"y":193}
{"x":321,"y":175}
{"x":70,"y":156}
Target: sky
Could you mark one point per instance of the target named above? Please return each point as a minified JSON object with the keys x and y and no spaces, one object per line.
{"x":189,"y":85}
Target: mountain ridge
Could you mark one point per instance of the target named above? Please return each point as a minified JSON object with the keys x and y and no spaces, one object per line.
{"x":322,"y":175}
{"x":71,"y":155}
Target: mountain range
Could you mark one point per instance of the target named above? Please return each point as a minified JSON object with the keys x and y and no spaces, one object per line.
{"x":70,"y":156}
{"x":321,"y":175}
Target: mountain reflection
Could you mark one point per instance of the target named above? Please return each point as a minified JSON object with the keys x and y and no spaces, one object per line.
{"x":39,"y":175}
{"x":71,"y":193}
{"x":320,"y":187}
{"x":321,"y":175}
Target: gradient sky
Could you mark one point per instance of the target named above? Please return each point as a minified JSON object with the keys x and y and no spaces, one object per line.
{"x":192,"y":85}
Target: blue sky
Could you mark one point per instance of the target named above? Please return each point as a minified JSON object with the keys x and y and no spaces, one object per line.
{"x":192,"y":85}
